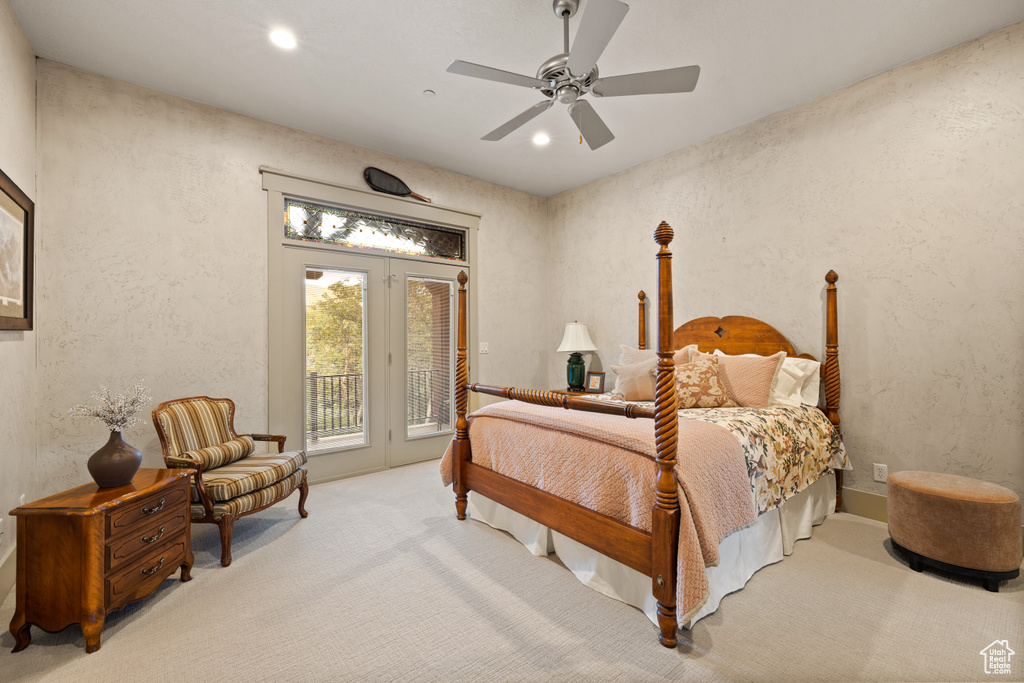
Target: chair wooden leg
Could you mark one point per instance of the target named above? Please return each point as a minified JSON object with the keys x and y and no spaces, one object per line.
{"x":303,"y":492}
{"x":226,"y":524}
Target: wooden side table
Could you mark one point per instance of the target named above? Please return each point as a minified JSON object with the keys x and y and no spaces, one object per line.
{"x":89,"y":551}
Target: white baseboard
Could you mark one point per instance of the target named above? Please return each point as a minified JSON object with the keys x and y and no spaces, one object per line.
{"x":865,"y":504}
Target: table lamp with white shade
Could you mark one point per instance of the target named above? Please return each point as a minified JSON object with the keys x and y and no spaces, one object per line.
{"x":575,"y":342}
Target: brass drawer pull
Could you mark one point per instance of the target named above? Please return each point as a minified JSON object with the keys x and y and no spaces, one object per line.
{"x":153,"y":570}
{"x":153,"y":538}
{"x":155,"y":510}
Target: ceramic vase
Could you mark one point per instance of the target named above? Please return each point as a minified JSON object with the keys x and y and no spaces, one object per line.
{"x":115,"y":464}
{"x":574,"y":372}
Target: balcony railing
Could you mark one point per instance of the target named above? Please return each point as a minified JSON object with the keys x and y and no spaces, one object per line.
{"x":335,"y":403}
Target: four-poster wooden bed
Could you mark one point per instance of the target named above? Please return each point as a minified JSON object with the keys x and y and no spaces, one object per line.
{"x":653,"y":553}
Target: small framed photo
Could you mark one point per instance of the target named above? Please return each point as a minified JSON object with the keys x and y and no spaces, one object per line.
{"x":595,"y":382}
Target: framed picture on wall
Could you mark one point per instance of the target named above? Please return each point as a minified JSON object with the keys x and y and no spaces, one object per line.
{"x":16,"y":247}
{"x":595,"y":382}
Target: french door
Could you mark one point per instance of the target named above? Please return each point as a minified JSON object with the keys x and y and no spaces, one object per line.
{"x":368,"y":359}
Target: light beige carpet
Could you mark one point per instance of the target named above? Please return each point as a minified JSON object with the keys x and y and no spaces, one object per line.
{"x":382,"y":583}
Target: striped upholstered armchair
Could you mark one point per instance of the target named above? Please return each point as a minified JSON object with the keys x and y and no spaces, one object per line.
{"x":231,"y":481}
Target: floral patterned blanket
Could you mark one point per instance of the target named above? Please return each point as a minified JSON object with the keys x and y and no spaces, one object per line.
{"x":787,"y":448}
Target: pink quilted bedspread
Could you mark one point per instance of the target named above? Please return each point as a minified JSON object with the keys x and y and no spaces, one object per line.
{"x":607,"y":463}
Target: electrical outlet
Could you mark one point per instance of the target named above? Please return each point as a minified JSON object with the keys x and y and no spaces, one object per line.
{"x":880,"y":472}
{"x":22,"y":500}
{"x":1,"y":526}
{"x":483,"y":347}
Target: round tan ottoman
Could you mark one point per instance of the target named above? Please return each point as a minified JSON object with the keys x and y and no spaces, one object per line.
{"x":956,"y":524}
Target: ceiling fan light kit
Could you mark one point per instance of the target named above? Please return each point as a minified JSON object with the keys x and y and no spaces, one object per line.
{"x":573,"y":74}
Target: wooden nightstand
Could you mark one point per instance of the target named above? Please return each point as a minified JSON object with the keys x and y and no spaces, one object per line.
{"x":89,"y":551}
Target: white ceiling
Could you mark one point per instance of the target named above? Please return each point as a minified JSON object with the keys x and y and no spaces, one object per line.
{"x":361,"y":66}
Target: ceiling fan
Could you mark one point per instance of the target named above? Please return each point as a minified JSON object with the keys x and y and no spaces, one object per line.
{"x":568,"y":76}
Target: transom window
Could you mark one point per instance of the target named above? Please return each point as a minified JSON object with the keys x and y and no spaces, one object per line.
{"x":310,"y":222}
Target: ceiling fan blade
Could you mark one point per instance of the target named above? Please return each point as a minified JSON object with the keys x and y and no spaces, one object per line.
{"x":528,"y":115}
{"x":490,"y":74}
{"x":591,"y":126}
{"x":597,"y":26}
{"x":682,"y":79}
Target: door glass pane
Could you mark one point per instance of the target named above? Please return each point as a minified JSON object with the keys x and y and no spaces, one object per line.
{"x":335,"y":362}
{"x":429,"y":354}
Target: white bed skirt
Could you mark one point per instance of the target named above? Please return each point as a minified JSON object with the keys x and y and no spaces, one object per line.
{"x":764,"y":541}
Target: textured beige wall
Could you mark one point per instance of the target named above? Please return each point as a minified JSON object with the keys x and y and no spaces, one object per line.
{"x":911,"y":186}
{"x":17,"y":349}
{"x":153,"y":262}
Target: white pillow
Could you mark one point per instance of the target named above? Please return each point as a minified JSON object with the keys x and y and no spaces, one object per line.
{"x":807,"y":374}
{"x":635,"y":382}
{"x":797,"y":381}
{"x":630,"y":356}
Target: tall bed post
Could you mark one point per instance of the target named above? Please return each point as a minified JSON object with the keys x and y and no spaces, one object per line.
{"x":462,"y":453}
{"x":642,"y":318}
{"x":665,"y":514}
{"x":832,"y":383}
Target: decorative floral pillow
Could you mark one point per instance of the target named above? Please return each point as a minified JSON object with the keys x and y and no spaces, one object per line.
{"x":698,"y":385}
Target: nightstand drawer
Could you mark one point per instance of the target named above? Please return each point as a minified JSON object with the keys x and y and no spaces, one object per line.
{"x":144,"y":537}
{"x":139,"y":511}
{"x":156,"y":565}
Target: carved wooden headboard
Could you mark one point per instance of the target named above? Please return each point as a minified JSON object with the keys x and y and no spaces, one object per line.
{"x":734,"y":334}
{"x":737,"y":334}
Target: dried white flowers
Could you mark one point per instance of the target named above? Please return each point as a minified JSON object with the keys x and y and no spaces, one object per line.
{"x":117,"y":412}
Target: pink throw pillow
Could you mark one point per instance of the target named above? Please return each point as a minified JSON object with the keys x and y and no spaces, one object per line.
{"x":749,"y":380}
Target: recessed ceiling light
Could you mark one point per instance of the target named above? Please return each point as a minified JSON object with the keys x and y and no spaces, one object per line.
{"x":282,"y":38}
{"x":541,"y":139}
